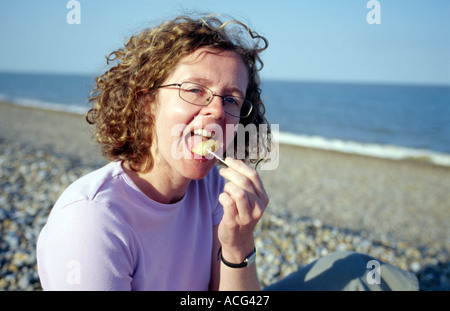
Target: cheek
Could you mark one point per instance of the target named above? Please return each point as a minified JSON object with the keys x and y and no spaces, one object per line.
{"x":170,"y":128}
{"x":170,"y":115}
{"x":229,"y":135}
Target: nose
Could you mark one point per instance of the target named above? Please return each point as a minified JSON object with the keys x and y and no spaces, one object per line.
{"x":215,"y":108}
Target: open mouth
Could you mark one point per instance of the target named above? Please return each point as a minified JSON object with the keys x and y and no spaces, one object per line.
{"x":201,"y":141}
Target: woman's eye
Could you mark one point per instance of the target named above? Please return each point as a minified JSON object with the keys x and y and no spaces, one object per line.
{"x":231,"y":101}
{"x":197,"y":91}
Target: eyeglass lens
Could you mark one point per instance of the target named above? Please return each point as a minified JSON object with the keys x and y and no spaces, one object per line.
{"x":200,"y":95}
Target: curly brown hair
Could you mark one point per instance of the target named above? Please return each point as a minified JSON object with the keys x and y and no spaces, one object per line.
{"x":123,"y":127}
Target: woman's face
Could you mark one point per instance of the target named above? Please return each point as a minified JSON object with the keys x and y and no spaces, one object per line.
{"x":176,"y":120}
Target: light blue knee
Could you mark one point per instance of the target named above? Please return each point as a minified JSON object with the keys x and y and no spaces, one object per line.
{"x":347,"y":270}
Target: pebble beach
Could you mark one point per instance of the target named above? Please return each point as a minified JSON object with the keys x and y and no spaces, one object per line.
{"x":320,"y":202}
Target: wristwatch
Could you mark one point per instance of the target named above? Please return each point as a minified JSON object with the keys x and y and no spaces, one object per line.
{"x":248,"y":261}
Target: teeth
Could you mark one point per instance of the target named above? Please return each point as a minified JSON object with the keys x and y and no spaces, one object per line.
{"x":203,"y":132}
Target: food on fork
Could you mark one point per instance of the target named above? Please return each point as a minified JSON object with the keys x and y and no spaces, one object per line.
{"x":203,"y":147}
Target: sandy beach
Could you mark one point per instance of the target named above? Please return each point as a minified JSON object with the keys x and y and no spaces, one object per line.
{"x":403,"y":204}
{"x":403,"y":200}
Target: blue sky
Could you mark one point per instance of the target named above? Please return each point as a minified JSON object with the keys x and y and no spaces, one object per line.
{"x":315,"y":40}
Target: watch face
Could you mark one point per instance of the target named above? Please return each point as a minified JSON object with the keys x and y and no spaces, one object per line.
{"x":251,"y":259}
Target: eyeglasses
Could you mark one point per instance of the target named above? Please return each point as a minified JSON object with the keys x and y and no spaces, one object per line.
{"x":200,"y":95}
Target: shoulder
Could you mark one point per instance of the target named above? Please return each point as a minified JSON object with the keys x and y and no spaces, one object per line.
{"x":91,"y":185}
{"x":86,"y":222}
{"x":86,"y":208}
{"x":88,"y":234}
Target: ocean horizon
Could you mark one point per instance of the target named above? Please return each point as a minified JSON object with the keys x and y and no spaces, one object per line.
{"x":381,"y":120}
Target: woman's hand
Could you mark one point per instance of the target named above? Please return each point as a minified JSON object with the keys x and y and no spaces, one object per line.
{"x":244,"y":200}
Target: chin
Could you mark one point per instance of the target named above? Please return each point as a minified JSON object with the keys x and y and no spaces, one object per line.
{"x":198,"y":170}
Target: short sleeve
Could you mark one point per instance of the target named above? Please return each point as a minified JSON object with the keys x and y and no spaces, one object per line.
{"x":83,"y":247}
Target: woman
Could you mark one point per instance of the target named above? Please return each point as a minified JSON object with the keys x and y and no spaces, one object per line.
{"x":160,"y":216}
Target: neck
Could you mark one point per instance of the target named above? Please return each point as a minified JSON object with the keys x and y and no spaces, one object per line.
{"x":159,"y":186}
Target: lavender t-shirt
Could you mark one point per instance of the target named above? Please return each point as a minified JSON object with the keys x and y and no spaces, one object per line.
{"x":105,"y":234}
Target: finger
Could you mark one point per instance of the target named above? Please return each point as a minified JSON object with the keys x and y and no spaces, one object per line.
{"x":247,"y":171}
{"x":238,"y":179}
{"x":252,"y":175}
{"x":240,"y":166}
{"x":243,"y":202}
{"x":230,"y":212}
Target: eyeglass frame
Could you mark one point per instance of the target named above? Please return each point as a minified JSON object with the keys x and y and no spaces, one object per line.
{"x":210,"y":100}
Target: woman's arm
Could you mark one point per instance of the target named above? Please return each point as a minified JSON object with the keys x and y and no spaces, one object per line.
{"x":225,"y":278}
{"x":244,"y":200}
{"x":83,"y":248}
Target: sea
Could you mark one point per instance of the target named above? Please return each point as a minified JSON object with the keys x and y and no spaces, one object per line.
{"x":381,"y":120}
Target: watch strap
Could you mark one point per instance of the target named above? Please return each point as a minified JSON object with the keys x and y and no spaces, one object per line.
{"x":248,"y":261}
